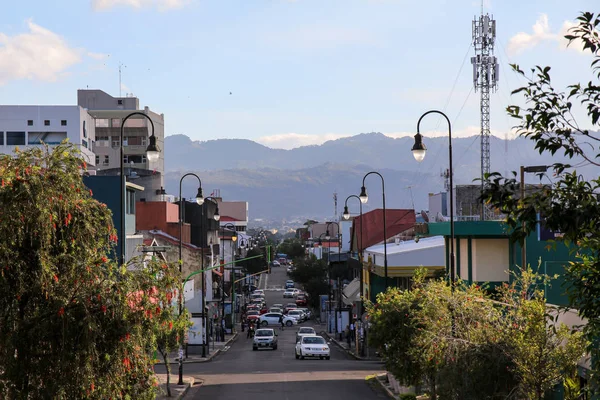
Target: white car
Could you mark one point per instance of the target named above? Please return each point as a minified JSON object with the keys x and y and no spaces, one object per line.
{"x":312,"y":346}
{"x":305,"y":330}
{"x":299,"y":315}
{"x":259,"y":291}
{"x":289,"y":293}
{"x":273,"y":319}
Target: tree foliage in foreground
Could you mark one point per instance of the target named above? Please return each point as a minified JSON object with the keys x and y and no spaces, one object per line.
{"x":73,"y":323}
{"x":311,"y":273}
{"x":463,"y":345}
{"x":571,"y":204}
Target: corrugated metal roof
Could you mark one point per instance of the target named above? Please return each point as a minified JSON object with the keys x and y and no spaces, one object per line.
{"x":397,"y":221}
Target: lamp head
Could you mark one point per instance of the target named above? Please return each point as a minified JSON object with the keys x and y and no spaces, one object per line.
{"x":152,"y":151}
{"x":199,"y":197}
{"x":234,"y":237}
{"x":346,"y":214}
{"x":419,"y":148}
{"x":217,"y":216}
{"x":327,"y":236}
{"x":363,"y":195}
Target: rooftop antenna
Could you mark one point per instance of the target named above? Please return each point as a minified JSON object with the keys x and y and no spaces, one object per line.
{"x":121,"y":66}
{"x":486,"y":73}
{"x":412,"y":199}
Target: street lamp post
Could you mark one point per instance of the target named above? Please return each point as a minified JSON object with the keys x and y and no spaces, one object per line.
{"x":346,"y":216}
{"x":152,"y":154}
{"x":364,"y":198}
{"x":199,"y":200}
{"x":216,"y":217}
{"x":419,"y":149}
{"x":229,"y":226}
{"x":328,"y":237}
{"x":530,"y":169}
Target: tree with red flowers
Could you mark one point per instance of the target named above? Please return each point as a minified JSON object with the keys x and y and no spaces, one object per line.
{"x":73,"y":323}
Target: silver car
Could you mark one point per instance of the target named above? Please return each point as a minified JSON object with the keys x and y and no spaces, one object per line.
{"x":264,"y":338}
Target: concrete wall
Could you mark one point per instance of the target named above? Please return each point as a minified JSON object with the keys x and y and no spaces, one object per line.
{"x":16,"y":119}
{"x":234,"y":209}
{"x":95,"y":99}
{"x":463,"y":269}
{"x":490,"y":260}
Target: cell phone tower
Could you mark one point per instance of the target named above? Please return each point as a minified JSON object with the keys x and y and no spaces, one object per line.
{"x":485,"y":79}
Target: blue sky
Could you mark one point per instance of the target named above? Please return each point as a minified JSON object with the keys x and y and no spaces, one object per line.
{"x":300,"y":71}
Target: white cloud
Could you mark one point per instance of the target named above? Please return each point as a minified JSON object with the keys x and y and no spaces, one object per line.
{"x":98,"y":56}
{"x":541,"y":32}
{"x":39,"y":54}
{"x":162,"y":5}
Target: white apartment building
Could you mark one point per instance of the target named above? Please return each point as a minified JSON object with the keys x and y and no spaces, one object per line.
{"x":29,"y":126}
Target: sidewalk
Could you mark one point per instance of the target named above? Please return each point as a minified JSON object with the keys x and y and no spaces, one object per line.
{"x":211,"y":352}
{"x":351,"y":349}
{"x":177,"y":391}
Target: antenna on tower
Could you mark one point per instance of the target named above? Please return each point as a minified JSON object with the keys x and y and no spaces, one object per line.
{"x":412,"y":199}
{"x":486,"y":73}
{"x":335,"y":205}
{"x":121,"y":65}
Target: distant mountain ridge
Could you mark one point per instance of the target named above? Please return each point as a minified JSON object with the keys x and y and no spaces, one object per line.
{"x":282,"y":183}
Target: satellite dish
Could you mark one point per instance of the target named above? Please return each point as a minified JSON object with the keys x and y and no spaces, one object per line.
{"x":424,"y":215}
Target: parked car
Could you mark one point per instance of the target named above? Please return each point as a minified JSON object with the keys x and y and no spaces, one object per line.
{"x":275,"y":264}
{"x":277,"y":305}
{"x":307,"y":312}
{"x":273,"y":319}
{"x":312,"y":346}
{"x":288,"y":307}
{"x":259,"y":291}
{"x":289,"y":284}
{"x":305,"y":330}
{"x":301,"y":300}
{"x":299,"y":315}
{"x":276,"y":310}
{"x":264,"y":338}
{"x":288,"y":294}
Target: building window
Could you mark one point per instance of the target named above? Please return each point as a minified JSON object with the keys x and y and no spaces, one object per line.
{"x":15,"y":138}
{"x":240,"y":228}
{"x":63,"y":122}
{"x":125,"y":159}
{"x":46,"y":122}
{"x":106,"y":160}
{"x":97,"y":160}
{"x":102,"y":122}
{"x":1,"y":138}
{"x":120,"y":102}
{"x":84,"y":143}
{"x":116,"y":122}
{"x":29,"y":122}
{"x":116,"y":141}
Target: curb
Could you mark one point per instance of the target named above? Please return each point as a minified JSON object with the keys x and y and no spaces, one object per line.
{"x":188,"y":384}
{"x":359,"y":358}
{"x":387,"y":391}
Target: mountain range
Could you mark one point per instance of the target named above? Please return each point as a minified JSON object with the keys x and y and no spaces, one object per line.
{"x":296,"y":183}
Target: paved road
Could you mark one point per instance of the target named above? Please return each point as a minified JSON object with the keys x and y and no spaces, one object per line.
{"x":240,"y":373}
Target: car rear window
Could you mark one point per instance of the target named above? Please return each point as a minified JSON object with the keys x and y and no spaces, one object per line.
{"x":313,"y":340}
{"x":306,"y":330}
{"x":264,"y":332}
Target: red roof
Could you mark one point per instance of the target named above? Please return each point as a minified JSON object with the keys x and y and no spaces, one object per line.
{"x":397,"y":221}
{"x":148,"y":242}
{"x":228,"y":218}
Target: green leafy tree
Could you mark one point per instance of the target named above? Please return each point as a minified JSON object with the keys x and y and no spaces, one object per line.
{"x":464,"y":345}
{"x":74,"y":323}
{"x":254,"y":265}
{"x":570,"y":205}
{"x":311,"y":273}
{"x":292,"y":247}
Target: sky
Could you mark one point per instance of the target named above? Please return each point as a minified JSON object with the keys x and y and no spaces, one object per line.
{"x":285,"y":73}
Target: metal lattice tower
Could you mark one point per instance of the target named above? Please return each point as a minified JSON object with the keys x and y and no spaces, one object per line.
{"x":485,"y":79}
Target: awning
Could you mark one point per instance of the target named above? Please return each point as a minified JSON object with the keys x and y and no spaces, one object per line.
{"x":351,"y":292}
